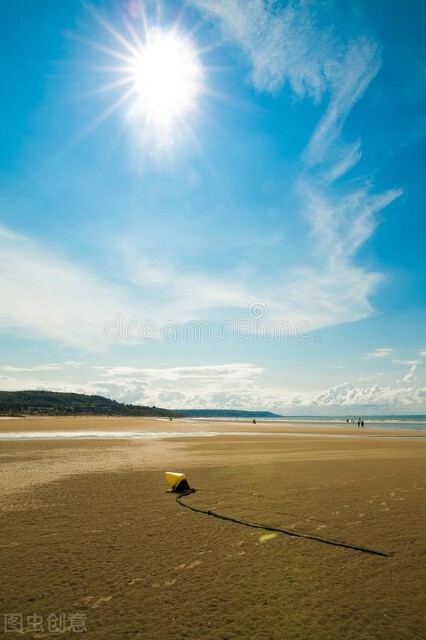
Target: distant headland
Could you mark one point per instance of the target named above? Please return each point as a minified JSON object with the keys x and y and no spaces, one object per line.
{"x":57,"y":403}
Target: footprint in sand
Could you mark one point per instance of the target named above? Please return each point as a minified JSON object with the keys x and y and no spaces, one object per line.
{"x":100,"y":601}
{"x":188,"y":566}
{"x":93,"y":531}
{"x":321,"y":526}
{"x":89,"y":599}
{"x":134,"y":581}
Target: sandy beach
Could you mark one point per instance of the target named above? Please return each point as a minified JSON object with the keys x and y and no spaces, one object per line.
{"x":88,"y":529}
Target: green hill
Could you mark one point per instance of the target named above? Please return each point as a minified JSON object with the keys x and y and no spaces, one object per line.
{"x":61,"y":404}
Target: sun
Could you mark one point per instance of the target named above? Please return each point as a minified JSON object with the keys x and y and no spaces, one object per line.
{"x":167,"y":79}
{"x":152,"y":73}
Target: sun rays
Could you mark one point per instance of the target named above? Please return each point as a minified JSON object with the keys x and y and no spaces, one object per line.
{"x":153,"y":74}
{"x":166,"y":79}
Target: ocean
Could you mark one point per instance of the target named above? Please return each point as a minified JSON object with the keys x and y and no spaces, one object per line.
{"x":416,"y":422}
{"x":384,"y":421}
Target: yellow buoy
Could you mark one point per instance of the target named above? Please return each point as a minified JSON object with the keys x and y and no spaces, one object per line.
{"x":177,"y":481}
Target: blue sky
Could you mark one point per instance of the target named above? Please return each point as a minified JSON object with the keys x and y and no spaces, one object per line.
{"x":257,"y":244}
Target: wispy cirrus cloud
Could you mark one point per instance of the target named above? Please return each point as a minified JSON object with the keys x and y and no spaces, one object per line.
{"x":280,"y":44}
{"x":384,"y":352}
{"x":296,"y":43}
{"x":348,"y":79}
{"x":330,"y":282}
{"x":235,"y":370}
{"x":56,"y":366}
{"x":410,"y":378}
{"x":43,"y":295}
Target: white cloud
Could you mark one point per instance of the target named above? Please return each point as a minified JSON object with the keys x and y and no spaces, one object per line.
{"x":245,"y":386}
{"x":42,"y":295}
{"x":193,"y":291}
{"x":56,"y":299}
{"x":380,"y":353}
{"x":349,"y":78}
{"x":156,"y":385}
{"x":329,"y":291}
{"x":343,"y":161}
{"x":375,"y":397}
{"x":206,"y":372}
{"x":410,"y":378}
{"x":291,"y":44}
{"x":57,"y":366}
{"x":235,"y":386}
{"x":332,"y":286}
{"x":407,"y":362}
{"x":280,"y":45}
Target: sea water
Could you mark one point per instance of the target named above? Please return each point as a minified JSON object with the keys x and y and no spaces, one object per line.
{"x":400,"y":422}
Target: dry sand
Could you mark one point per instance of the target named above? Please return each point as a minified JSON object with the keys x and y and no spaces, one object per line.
{"x":87,"y":528}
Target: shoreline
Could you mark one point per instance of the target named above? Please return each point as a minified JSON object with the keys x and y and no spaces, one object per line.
{"x":117,"y":427}
{"x":21,"y":436}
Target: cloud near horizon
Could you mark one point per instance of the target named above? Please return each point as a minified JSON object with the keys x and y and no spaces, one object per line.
{"x":234,"y":386}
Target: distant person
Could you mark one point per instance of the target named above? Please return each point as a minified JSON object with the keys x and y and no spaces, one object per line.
{"x":359,"y":422}
{"x":362,"y":424}
{"x":254,"y":421}
{"x":347,"y":420}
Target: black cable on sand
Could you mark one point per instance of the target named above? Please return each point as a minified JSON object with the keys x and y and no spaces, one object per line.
{"x":288,"y":532}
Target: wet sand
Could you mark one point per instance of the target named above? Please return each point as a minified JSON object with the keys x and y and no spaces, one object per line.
{"x":87,"y":528}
